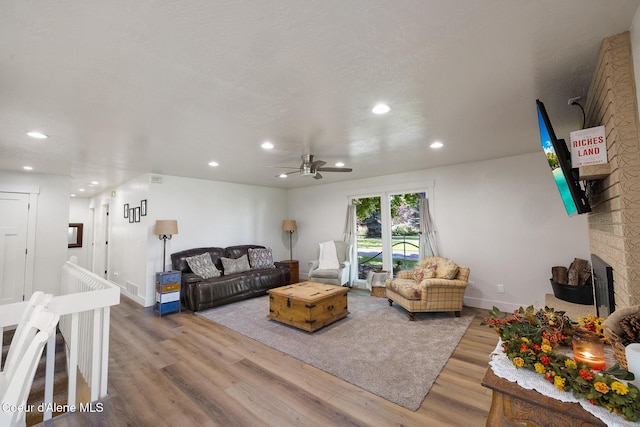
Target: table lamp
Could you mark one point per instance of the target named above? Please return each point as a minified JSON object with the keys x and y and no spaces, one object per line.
{"x":165,"y":229}
{"x":290,"y":226}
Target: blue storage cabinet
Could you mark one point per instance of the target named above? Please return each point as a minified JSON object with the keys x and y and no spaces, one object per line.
{"x":167,"y":292}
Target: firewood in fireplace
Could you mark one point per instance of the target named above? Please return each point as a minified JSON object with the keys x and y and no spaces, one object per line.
{"x":559,"y":275}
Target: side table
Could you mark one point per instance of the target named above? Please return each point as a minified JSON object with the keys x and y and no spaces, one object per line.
{"x":294,"y":266}
{"x":512,"y":403}
{"x":167,"y":292}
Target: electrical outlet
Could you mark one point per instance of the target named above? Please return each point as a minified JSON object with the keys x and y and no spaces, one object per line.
{"x":500,"y":288}
{"x":572,"y":100}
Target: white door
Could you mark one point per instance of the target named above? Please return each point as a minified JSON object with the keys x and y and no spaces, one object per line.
{"x":14,"y":219}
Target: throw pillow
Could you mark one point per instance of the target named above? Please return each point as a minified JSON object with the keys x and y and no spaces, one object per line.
{"x":447,"y":269}
{"x":431,"y":267}
{"x":419,"y":273}
{"x":237,"y":265}
{"x":261,"y":258}
{"x":203,"y":266}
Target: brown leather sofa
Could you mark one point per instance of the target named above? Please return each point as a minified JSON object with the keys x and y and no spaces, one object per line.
{"x":198,"y":293}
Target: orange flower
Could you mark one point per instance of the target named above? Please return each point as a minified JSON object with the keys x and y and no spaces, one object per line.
{"x":601,"y":387}
{"x":586,"y":374}
{"x":518,"y":361}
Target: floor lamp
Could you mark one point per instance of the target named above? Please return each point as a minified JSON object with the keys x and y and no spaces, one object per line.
{"x":165,"y":229}
{"x":290,"y":226}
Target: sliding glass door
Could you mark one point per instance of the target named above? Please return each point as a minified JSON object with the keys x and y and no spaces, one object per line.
{"x":405,"y":230}
{"x":369,"y":247}
{"x":387,"y":234}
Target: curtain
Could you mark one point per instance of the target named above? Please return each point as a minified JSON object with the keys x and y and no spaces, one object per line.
{"x":428,"y":241}
{"x":349,"y":224}
{"x":349,"y":228}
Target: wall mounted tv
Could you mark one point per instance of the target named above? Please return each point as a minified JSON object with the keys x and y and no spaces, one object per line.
{"x":559,"y":158}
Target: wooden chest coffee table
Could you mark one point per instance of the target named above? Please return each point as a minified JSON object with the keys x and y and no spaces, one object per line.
{"x":308,"y":305}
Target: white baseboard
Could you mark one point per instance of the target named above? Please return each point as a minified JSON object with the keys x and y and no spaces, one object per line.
{"x":489,"y":304}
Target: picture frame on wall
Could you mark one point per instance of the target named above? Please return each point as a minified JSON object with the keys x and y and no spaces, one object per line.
{"x":126,"y":210}
{"x":136,"y":214}
{"x":143,"y":207}
{"x":131,"y":217}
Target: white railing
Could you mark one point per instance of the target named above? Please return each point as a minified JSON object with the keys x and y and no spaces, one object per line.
{"x":84,"y":309}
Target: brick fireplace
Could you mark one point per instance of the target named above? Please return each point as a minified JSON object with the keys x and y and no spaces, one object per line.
{"x":614,"y":188}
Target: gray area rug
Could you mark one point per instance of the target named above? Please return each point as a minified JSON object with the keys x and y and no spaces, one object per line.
{"x":376,"y":347}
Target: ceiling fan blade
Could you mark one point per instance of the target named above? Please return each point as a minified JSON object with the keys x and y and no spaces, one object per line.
{"x":317,"y":164}
{"x":288,"y":173}
{"x":317,"y":176}
{"x":334,"y":169}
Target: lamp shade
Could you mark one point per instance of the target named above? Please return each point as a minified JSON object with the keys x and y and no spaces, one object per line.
{"x":289,"y":225}
{"x":166,"y":227}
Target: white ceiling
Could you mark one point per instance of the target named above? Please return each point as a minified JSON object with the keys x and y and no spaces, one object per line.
{"x":127,"y":87}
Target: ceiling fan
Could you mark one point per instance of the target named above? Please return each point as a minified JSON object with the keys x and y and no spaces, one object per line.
{"x":311,"y":167}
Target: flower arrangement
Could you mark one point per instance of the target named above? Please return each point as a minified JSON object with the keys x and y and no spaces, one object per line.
{"x":528,"y":322}
{"x":593,"y":324}
{"x":530,"y":338}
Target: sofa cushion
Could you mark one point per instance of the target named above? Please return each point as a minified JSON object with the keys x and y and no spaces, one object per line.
{"x":408,"y":288}
{"x":261,"y":258}
{"x":237,"y":265}
{"x":203,"y":266}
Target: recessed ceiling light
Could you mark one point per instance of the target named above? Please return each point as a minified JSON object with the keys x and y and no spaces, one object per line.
{"x":381,"y":109}
{"x":81,"y":189}
{"x":214,"y":164}
{"x":27,"y":168}
{"x":37,"y":135}
{"x":282,"y":175}
{"x":73,"y":195}
{"x":437,"y":144}
{"x":267,"y":145}
{"x":94,"y":183}
{"x":339,"y":164}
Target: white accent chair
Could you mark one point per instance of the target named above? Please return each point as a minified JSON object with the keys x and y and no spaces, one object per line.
{"x":341,"y":275}
{"x":36,"y":326}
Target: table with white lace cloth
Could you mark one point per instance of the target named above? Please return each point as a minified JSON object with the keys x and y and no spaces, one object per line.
{"x":503,"y":367}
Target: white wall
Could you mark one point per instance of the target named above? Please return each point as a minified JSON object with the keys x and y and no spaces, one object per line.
{"x":503,"y":218}
{"x":51,"y":224}
{"x":209,"y":213}
{"x":79,"y":213}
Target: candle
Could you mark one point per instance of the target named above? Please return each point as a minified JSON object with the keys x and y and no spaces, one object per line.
{"x":588,"y":349}
{"x":632,"y":353}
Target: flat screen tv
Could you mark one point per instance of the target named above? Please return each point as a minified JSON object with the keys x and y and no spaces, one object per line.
{"x":559,"y":158}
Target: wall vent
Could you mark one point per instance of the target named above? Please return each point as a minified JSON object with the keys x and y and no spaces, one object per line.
{"x":132,"y":288}
{"x":156,"y":179}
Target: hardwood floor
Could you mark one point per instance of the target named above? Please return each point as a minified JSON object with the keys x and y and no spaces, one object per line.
{"x":183,"y":370}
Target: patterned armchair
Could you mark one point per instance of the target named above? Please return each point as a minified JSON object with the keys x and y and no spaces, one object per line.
{"x":436,"y":284}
